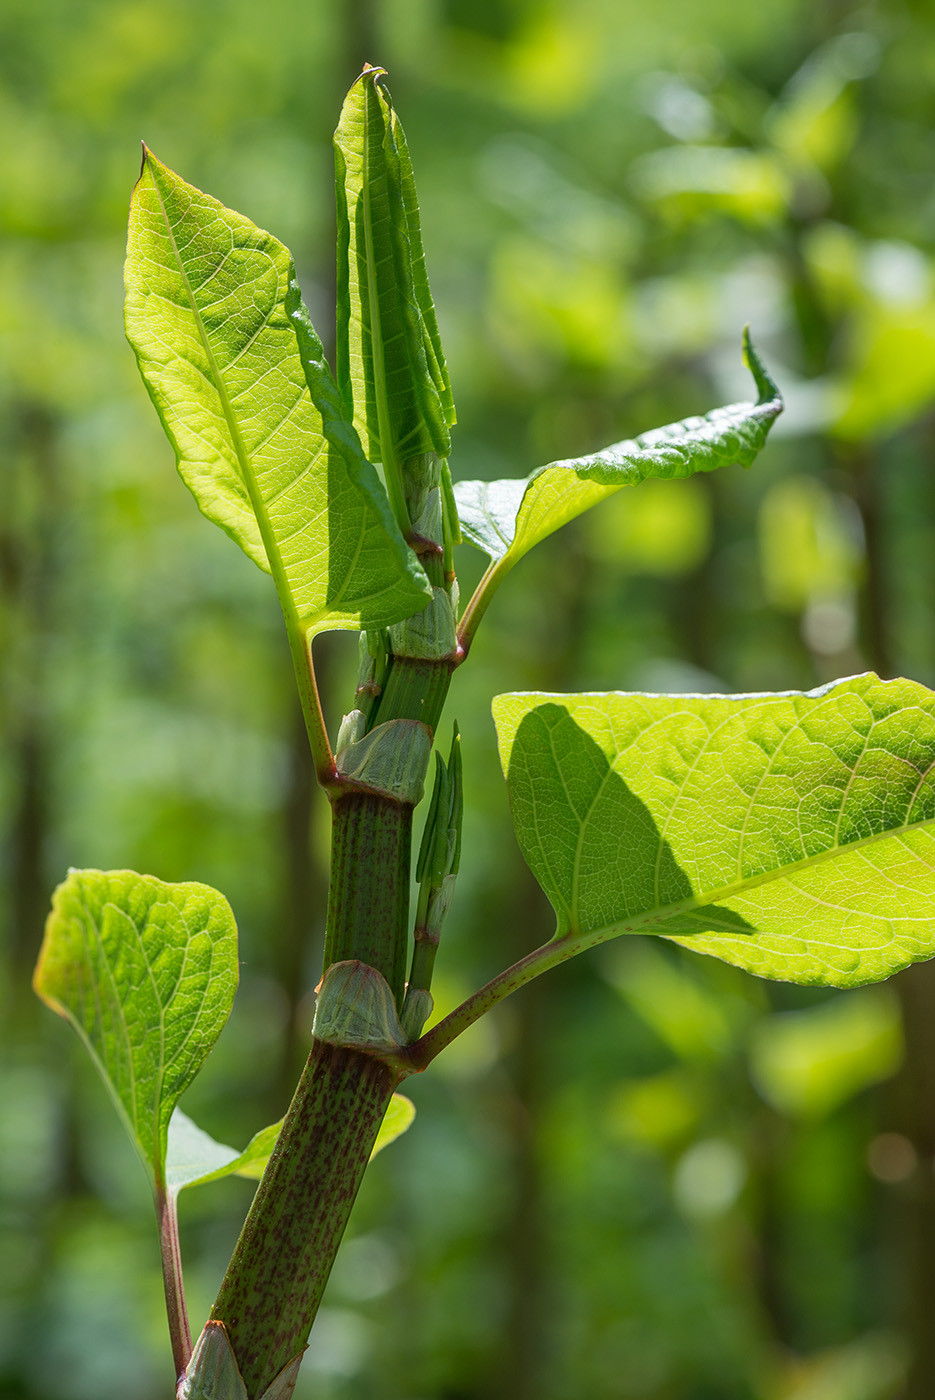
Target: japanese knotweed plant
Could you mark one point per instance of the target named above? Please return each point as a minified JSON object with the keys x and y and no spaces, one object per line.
{"x":791,"y":834}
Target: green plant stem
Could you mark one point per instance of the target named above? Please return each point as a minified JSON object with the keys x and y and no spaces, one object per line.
{"x":275,"y":1279}
{"x":416,"y":688}
{"x":368,"y":898}
{"x":558,"y":950}
{"x":478,"y":604}
{"x":179,"y":1333}
{"x":279,"y":1269}
{"x":425,"y":947}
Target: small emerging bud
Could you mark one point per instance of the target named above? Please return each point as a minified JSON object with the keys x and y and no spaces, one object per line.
{"x":417,"y":1008}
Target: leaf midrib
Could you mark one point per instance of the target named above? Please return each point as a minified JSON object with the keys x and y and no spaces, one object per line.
{"x":663,"y":912}
{"x":751,"y":421}
{"x":243,"y":457}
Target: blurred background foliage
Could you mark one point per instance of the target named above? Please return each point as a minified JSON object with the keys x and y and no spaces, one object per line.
{"x":649,"y":1176}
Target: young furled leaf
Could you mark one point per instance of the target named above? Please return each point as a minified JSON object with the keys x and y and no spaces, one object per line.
{"x":790,"y":834}
{"x":506,"y":518}
{"x":389,"y":362}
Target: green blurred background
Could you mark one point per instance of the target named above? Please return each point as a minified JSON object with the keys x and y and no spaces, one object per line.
{"x":648,"y":1176}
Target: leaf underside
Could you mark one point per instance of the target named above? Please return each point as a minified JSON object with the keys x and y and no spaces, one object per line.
{"x":194,"y":1158}
{"x":146,"y":973}
{"x":506,"y":518}
{"x":790,"y":834}
{"x":238,"y":376}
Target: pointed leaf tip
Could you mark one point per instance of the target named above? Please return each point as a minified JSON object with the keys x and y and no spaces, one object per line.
{"x":767,"y":387}
{"x":194,"y":1159}
{"x":389,"y":360}
{"x":506,"y":518}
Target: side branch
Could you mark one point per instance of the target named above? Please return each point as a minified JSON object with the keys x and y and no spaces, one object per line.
{"x":477,"y":606}
{"x":421,"y":1054}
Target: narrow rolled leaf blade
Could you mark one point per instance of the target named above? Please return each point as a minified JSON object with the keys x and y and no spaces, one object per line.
{"x":194,"y":1158}
{"x":790,"y":834}
{"x":238,"y":376}
{"x":389,"y":360}
{"x":506,"y":518}
{"x":146,"y":973}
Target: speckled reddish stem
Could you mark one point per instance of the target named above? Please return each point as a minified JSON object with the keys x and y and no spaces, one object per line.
{"x":279,"y":1269}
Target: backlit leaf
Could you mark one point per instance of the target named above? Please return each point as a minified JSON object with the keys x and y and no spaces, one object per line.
{"x":238,"y":376}
{"x":506,"y":518}
{"x":146,"y":973}
{"x":790,"y":834}
{"x":389,"y":361}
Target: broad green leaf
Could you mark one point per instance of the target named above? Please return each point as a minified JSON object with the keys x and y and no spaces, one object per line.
{"x":238,"y":376}
{"x":389,"y":360}
{"x":506,"y":518}
{"x":146,"y":973}
{"x":194,"y":1157}
{"x":790,"y":834}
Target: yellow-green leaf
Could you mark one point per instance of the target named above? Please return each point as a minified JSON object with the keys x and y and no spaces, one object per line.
{"x":146,"y":973}
{"x":389,"y":360}
{"x":790,"y":834}
{"x":238,"y":376}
